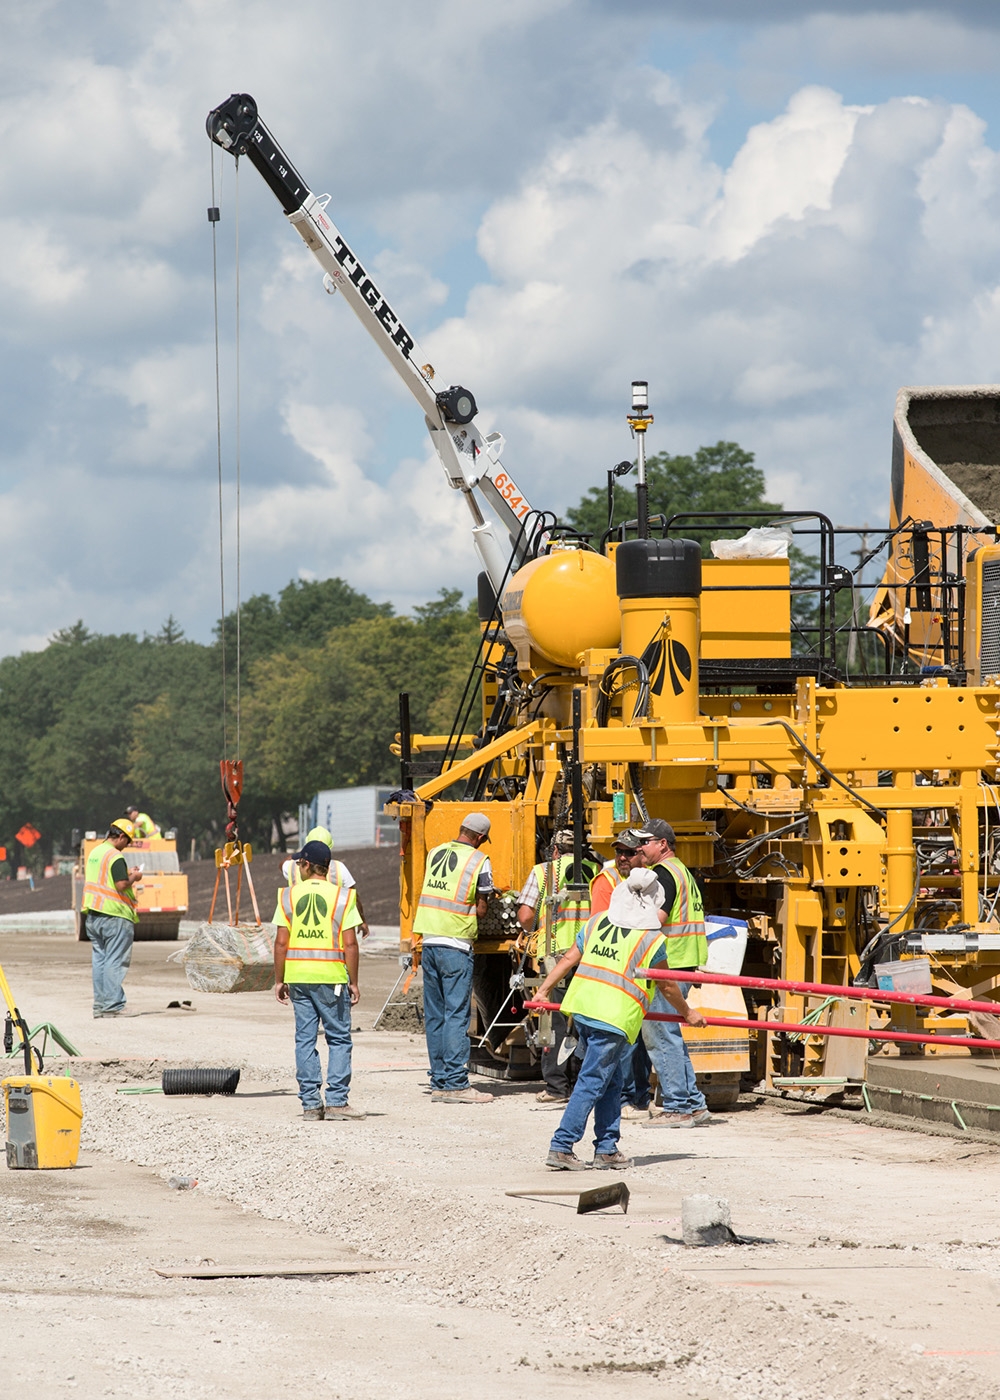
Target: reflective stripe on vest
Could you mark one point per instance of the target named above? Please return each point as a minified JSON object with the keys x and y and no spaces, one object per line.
{"x":684,"y":930}
{"x":99,"y":893}
{"x":447,"y":904}
{"x":316,"y":914}
{"x":608,"y":983}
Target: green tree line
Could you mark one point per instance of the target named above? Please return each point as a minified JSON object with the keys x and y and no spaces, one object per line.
{"x":91,"y":723}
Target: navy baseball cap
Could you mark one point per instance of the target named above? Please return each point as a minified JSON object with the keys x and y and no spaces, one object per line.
{"x":315,"y":852}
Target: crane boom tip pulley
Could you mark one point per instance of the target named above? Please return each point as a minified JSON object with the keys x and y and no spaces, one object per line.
{"x":231,"y":124}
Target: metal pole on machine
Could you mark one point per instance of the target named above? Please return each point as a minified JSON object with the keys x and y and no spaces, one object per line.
{"x":800,"y":1028}
{"x":576,"y":787}
{"x":639,"y":420}
{"x":827,"y":989}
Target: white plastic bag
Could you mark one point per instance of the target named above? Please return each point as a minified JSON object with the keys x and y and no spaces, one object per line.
{"x":764,"y":542}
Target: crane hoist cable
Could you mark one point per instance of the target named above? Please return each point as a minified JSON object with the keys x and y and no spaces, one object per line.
{"x":239,"y":590}
{"x":234,"y":853}
{"x":214,"y":217}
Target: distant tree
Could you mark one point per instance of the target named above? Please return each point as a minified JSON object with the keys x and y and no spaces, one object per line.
{"x":324,"y":716}
{"x":718,"y":478}
{"x":170,"y":632}
{"x":92,"y":722}
{"x":301,"y":615}
{"x":175,"y":746}
{"x":722,"y":477}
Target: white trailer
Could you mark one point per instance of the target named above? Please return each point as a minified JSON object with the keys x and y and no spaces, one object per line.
{"x":353,"y":817}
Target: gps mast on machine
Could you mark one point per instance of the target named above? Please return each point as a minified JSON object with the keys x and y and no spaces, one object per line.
{"x":845,"y":819}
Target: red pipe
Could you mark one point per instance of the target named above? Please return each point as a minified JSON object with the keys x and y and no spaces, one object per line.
{"x":965,"y":1041}
{"x":770,"y":984}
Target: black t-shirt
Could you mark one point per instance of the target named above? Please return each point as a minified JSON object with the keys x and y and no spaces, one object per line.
{"x":669,"y":887}
{"x":119,"y":870}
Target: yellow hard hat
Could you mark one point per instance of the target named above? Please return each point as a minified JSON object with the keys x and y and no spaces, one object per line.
{"x":126,"y":827}
{"x":320,"y":833}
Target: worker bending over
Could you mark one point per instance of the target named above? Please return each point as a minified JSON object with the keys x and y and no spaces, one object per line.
{"x":683,"y":1103}
{"x":109,"y":914}
{"x":546,"y":890}
{"x":457,"y":880}
{"x":608,"y":999}
{"x":338,"y":874}
{"x":142,"y":824}
{"x":316,"y":969}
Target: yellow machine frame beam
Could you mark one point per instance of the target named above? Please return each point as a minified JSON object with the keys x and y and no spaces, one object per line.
{"x":484,"y":755}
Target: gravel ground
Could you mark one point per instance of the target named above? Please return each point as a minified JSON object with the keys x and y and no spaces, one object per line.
{"x":869,"y":1290}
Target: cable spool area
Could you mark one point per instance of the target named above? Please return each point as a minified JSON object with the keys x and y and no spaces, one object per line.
{"x":826,"y":752}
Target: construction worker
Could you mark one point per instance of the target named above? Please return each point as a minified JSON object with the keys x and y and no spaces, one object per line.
{"x":683,"y":1103}
{"x":316,"y":969}
{"x":547,"y":881}
{"x":608,"y":999}
{"x":457,"y":880}
{"x":338,"y":874}
{"x":627,"y":856}
{"x":142,"y":824}
{"x":109,"y":913}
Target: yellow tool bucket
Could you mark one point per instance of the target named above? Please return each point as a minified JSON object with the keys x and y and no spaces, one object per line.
{"x":43,"y":1121}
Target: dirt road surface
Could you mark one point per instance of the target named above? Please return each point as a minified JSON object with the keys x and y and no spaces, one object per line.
{"x":883,"y":1281}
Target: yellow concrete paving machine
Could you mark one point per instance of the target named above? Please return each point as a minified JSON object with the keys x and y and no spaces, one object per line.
{"x":847,"y":814}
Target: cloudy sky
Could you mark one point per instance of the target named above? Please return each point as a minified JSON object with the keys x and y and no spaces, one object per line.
{"x":777,"y":221}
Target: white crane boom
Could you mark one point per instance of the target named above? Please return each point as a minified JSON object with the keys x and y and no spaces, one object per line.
{"x":470,"y":460}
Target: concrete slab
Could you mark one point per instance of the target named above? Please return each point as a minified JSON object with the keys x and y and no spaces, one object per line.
{"x":961,"y":1092}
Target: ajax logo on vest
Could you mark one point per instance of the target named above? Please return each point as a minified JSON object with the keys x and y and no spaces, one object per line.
{"x":443,"y":864}
{"x":311,"y":912}
{"x":606,"y":943}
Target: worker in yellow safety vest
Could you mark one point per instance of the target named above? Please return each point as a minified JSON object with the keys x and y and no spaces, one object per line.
{"x":457,"y":881}
{"x":108,"y":910}
{"x":316,"y":969}
{"x":608,"y":999}
{"x":142,"y":824}
{"x":682,"y":1102}
{"x":546,"y":903}
{"x":338,"y":874}
{"x":628,"y":857}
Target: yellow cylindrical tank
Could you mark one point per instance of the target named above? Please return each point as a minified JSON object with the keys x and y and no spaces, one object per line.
{"x":561,"y":605}
{"x":665,"y":632}
{"x":659,"y":587}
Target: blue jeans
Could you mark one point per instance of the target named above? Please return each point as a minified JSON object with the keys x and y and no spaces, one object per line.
{"x":635,"y":1089}
{"x":679,"y":1092}
{"x":316,"y":1004}
{"x":598,"y":1089}
{"x":447,"y":1008}
{"x":111,"y":952}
